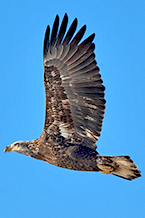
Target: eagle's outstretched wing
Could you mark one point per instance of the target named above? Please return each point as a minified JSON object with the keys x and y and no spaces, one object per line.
{"x":73,"y":86}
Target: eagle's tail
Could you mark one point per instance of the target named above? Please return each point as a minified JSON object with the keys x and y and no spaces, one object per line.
{"x":121,"y":166}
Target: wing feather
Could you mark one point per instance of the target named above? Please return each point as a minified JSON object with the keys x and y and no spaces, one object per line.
{"x":78,"y":36}
{"x":54,"y":31}
{"x":62,"y":30}
{"x":70,"y":32}
{"x":75,"y":101}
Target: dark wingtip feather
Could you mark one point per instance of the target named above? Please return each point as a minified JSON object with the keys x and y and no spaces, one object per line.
{"x":62,"y":29}
{"x":70,"y":32}
{"x":92,"y":47}
{"x":78,"y":36}
{"x":89,"y":39}
{"x":46,"y":40}
{"x":65,"y":16}
{"x":54,"y":30}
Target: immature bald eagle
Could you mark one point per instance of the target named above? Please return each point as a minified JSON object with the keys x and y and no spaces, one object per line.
{"x":75,"y":107}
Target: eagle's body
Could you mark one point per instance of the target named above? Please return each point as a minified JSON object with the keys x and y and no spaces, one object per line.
{"x":75,"y":107}
{"x":70,"y":156}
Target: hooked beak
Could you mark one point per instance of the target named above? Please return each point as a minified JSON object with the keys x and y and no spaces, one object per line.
{"x":10,"y":148}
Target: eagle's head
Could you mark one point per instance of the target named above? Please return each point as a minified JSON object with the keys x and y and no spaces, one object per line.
{"x":29,"y":148}
{"x":19,"y":147}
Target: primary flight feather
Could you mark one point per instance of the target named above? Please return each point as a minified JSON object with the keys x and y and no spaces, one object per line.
{"x":75,"y":107}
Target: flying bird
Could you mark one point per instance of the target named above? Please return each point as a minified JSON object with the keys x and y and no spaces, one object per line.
{"x":75,"y":107}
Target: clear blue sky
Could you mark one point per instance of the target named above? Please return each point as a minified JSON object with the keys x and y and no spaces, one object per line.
{"x":31,"y":188}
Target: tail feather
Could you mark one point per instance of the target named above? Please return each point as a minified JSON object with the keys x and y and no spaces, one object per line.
{"x":121,"y":166}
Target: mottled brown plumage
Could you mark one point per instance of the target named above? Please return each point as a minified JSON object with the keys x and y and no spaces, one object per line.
{"x":75,"y":107}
